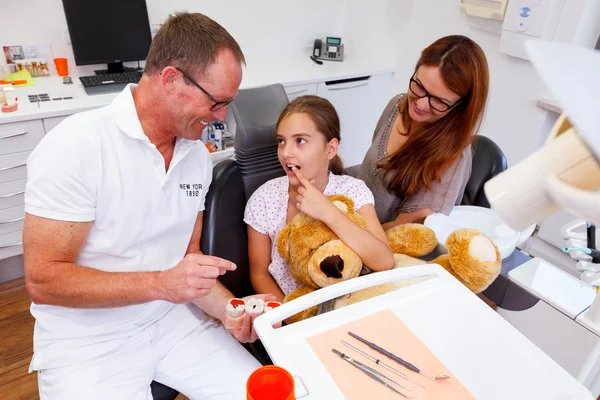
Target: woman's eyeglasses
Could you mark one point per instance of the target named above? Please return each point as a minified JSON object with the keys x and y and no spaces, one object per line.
{"x":218,"y":104}
{"x":434,"y":102}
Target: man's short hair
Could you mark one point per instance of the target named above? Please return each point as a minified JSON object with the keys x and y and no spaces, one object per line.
{"x":190,"y":41}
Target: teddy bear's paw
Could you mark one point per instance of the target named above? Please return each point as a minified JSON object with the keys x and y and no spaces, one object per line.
{"x":309,"y":312}
{"x":415,"y":240}
{"x":474,"y":258}
{"x":402,"y":260}
{"x":333,"y":262}
{"x":482,"y":248}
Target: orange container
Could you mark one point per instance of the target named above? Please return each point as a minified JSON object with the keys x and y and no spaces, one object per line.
{"x":62,"y":68}
{"x":270,"y":383}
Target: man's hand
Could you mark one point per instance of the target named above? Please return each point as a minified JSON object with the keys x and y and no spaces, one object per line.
{"x":247,"y":334}
{"x":192,"y":278}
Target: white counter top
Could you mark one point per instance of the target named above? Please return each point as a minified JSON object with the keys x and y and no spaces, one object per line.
{"x":303,"y":70}
{"x":549,"y":105}
{"x":288,"y":72}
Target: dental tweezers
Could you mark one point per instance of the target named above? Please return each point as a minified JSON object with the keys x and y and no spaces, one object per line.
{"x":379,"y":362}
{"x":397,"y":359}
{"x":373,"y":374}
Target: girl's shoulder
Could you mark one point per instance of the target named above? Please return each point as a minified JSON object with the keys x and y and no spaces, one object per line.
{"x":273,"y":186}
{"x":350,"y":186}
{"x":343,"y":181}
{"x":271,"y":189}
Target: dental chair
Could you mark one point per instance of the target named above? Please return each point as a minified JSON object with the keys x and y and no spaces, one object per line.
{"x":488,"y":161}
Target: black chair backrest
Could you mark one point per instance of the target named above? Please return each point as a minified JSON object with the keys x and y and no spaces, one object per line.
{"x":224,"y":234}
{"x":488,"y":161}
{"x":255,"y":112}
{"x":223,"y":229}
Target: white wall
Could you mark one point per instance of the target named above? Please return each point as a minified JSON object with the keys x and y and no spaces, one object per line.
{"x":264,"y":28}
{"x":267,"y":29}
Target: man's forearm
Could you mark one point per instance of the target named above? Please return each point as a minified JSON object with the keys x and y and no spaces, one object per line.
{"x":71,"y":285}
{"x":215,"y":304}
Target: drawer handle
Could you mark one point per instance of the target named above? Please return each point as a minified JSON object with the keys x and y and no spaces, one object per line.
{"x":348,"y":87}
{"x":13,"y":135}
{"x":11,"y":245}
{"x":13,"y":167}
{"x":4,"y":196}
{"x":298,"y":91}
{"x":349,"y":80}
{"x":12,"y":220}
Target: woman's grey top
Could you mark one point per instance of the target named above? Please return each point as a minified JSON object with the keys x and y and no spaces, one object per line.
{"x":441,"y":197}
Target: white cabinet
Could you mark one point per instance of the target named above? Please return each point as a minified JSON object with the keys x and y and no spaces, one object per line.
{"x":50,"y":123}
{"x":300,"y":90}
{"x":17,"y":139}
{"x":11,"y":244}
{"x":13,"y":166}
{"x":12,"y":193}
{"x":20,"y":136}
{"x":11,"y":219}
{"x":359,"y":103}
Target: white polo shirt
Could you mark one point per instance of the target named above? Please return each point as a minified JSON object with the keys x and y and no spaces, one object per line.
{"x":100,"y":166}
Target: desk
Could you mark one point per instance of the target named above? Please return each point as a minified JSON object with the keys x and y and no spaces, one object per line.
{"x":290,"y":73}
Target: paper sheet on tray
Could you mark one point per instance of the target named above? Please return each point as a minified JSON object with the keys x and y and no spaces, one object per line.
{"x":387,"y":331}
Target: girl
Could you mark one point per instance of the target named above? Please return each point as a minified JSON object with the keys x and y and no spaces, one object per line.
{"x":308,"y":135}
{"x":420,"y":159}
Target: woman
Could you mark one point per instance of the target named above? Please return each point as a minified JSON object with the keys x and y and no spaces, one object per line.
{"x":420,"y":158}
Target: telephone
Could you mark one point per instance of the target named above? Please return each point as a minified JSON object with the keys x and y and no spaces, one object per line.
{"x":330,"y":50}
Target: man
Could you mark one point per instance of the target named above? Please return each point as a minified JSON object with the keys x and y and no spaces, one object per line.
{"x":114,"y":201}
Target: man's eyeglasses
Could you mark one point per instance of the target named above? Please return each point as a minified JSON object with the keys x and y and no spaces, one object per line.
{"x":434,"y":102}
{"x":218,"y":104}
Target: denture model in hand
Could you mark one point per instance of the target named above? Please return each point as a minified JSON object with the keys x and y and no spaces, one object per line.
{"x":236,"y":311}
{"x":238,"y":308}
{"x":269,"y":305}
{"x":255,"y":307}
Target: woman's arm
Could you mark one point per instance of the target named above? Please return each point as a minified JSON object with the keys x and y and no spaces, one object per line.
{"x":371,"y":244}
{"x":417,"y":217}
{"x":259,"y":255}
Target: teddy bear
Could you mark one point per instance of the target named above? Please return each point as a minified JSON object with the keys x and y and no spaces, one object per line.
{"x":317,"y":258}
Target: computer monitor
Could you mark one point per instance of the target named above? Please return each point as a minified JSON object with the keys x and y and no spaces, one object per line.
{"x":108,"y":31}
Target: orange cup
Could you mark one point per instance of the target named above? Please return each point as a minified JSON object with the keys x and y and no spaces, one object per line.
{"x":270,"y":383}
{"x":62,"y":68}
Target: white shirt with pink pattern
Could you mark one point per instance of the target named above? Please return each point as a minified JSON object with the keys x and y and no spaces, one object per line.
{"x":266,"y":213}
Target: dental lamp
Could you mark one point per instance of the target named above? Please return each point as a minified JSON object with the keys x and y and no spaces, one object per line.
{"x":565,"y":172}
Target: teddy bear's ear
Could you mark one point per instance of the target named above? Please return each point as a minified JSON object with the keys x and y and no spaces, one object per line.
{"x":344,"y":203}
{"x":283,"y":242}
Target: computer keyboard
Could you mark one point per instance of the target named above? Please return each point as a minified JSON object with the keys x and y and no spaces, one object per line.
{"x":106,"y":83}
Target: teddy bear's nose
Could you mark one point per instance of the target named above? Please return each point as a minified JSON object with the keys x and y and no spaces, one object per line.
{"x":333,"y":266}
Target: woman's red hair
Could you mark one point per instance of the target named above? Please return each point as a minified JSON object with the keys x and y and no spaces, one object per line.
{"x":431,"y":149}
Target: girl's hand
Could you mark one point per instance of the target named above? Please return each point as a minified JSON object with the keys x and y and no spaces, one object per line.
{"x":311,"y":201}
